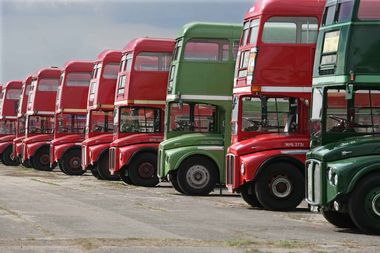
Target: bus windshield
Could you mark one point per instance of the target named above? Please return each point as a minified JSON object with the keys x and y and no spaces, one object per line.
{"x":40,"y":124}
{"x":139,"y":120}
{"x":7,"y":127}
{"x":101,"y":122}
{"x":192,"y":117}
{"x":266,"y":114}
{"x":71,"y":123}
{"x":360,"y":116}
{"x":21,"y":121}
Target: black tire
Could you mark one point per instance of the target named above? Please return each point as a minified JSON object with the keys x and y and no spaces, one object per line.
{"x":197,"y":176}
{"x":143,"y":170}
{"x":27,"y":163}
{"x":173,"y":180}
{"x":102,"y":168}
{"x":280,"y":187}
{"x":247,"y":192}
{"x":364,"y":204}
{"x":94,"y":172}
{"x":340,"y":220}
{"x":6,"y":157}
{"x":71,"y":163}
{"x":41,"y":159}
{"x":123,"y":174}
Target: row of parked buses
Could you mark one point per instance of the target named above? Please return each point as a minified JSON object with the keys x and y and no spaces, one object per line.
{"x":223,"y":105}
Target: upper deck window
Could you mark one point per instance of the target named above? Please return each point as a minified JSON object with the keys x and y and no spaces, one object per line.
{"x":291,"y":30}
{"x":245,"y":33}
{"x":111,"y":70}
{"x":126,"y":63}
{"x":121,"y":85}
{"x":147,"y":61}
{"x":48,"y":85}
{"x":1,"y":94}
{"x":338,"y":13}
{"x":369,"y":10}
{"x":207,"y":50}
{"x":13,"y":94}
{"x":96,"y":71}
{"x":78,"y":79}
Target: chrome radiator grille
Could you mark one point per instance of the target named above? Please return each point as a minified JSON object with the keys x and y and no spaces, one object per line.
{"x":313,"y":183}
{"x":112,"y":158}
{"x":230,"y":167}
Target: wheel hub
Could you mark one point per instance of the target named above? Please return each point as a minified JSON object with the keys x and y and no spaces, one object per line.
{"x":198,"y":176}
{"x":45,"y":159}
{"x":74,"y":162}
{"x":281,"y":187}
{"x":146,"y":170}
{"x":376,"y":204}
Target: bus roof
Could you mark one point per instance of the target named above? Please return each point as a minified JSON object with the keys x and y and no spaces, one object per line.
{"x":284,"y":8}
{"x":155,"y":44}
{"x":14,"y":84}
{"x":108,"y":53}
{"x":211,"y":30}
{"x":47,"y":72}
{"x":78,"y":66}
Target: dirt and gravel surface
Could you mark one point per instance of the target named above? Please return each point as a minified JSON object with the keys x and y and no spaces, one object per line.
{"x":52,"y":212}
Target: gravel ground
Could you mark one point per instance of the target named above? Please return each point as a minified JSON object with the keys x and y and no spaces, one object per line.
{"x":52,"y":212}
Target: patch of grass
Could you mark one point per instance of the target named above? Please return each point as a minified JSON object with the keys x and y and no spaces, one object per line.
{"x":256,"y":251}
{"x":290,"y":244}
{"x":240,"y":243}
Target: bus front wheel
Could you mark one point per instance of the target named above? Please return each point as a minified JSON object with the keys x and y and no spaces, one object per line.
{"x":102,"y":168}
{"x":41,"y":159}
{"x":6,"y":157}
{"x":280,"y":187}
{"x":197,"y":176}
{"x":71,"y":163}
{"x":248,"y":194}
{"x":143,"y":170}
{"x":364,"y":204}
{"x":340,"y":220}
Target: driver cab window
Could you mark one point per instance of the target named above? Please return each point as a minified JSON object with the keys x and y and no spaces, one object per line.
{"x":336,"y":112}
{"x":272,"y":115}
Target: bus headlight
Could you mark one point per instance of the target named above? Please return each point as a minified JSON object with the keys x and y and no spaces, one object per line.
{"x":332,"y":177}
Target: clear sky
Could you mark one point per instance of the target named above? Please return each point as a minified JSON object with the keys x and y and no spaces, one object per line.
{"x":35,"y":33}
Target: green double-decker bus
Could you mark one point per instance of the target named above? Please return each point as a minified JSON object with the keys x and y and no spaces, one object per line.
{"x":343,"y":168}
{"x":198,"y":107}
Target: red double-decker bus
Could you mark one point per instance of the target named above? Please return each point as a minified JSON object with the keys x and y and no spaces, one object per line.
{"x":8,"y":115}
{"x":70,"y":117}
{"x":21,"y":120}
{"x":34,"y":150}
{"x":272,"y":93}
{"x":139,"y":110}
{"x":100,"y":106}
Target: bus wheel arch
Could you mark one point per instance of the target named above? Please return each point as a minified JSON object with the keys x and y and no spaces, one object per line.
{"x":280,"y":183}
{"x":197,"y":175}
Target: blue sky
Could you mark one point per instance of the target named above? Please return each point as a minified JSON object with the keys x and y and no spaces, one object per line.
{"x":37,"y":33}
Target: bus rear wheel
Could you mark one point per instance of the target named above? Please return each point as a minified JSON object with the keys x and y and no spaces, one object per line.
{"x":71,"y":163}
{"x":102,"y":168}
{"x":340,"y":220}
{"x":6,"y":157}
{"x":280,"y":187}
{"x":41,"y":159}
{"x":248,"y":194}
{"x":143,"y":170}
{"x":364,"y":204}
{"x":197,"y":176}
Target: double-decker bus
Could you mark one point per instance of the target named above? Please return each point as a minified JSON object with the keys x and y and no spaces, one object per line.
{"x":100,"y":107}
{"x":343,"y":168}
{"x":70,"y":117}
{"x":8,"y":118}
{"x":272,"y":93}
{"x":198,"y":108}
{"x":139,"y":110}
